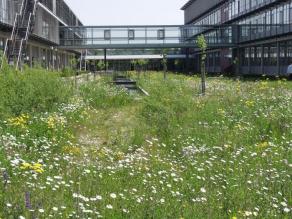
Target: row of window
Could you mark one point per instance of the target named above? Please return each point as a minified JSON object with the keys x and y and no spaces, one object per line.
{"x":268,"y":54}
{"x":281,"y":14}
{"x":131,"y":34}
{"x":107,"y":34}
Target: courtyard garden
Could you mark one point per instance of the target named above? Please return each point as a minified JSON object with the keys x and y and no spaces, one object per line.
{"x":97,"y":151}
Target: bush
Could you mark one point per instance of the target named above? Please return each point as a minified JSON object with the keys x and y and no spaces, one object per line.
{"x":33,"y":90}
{"x":67,"y":72}
{"x":102,"y":95}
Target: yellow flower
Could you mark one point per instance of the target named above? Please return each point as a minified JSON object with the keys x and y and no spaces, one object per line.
{"x":20,"y":121}
{"x":54,"y":120}
{"x":234,"y":217}
{"x":263,"y":85}
{"x":263,"y":145}
{"x":37,"y":167}
{"x":119,"y":155}
{"x":51,"y":122}
{"x":25,"y":166}
{"x":249,"y":103}
{"x":72,"y":150}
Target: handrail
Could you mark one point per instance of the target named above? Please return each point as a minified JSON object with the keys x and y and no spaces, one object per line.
{"x":28,"y":27}
{"x":35,"y":5}
{"x":22,"y":5}
{"x":14,"y":26}
{"x":19,"y":54}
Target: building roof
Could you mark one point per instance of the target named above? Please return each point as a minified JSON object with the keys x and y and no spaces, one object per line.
{"x":187,"y":4}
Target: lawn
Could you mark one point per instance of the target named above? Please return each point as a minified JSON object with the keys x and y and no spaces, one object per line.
{"x":97,"y":151}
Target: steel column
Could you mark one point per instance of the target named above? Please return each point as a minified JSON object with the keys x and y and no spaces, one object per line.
{"x":105,"y":61}
{"x":278,"y":58}
{"x":262,"y":60}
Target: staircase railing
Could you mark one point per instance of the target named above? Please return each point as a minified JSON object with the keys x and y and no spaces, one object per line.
{"x":12,"y":37}
{"x":19,"y":54}
{"x":24,"y":40}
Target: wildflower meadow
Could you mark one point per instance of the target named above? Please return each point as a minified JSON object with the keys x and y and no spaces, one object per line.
{"x":97,"y":151}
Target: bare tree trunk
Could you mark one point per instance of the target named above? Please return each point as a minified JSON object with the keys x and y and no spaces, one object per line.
{"x":203,"y":77}
{"x":164,"y":71}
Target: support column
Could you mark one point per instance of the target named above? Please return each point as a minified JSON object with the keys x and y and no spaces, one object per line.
{"x":187,"y":61}
{"x":262,"y":59}
{"x":85,"y":61}
{"x":105,"y":61}
{"x":214,"y":62}
{"x":249,"y":60}
{"x":80,"y":62}
{"x":239,"y":61}
{"x":31,"y":55}
{"x":278,"y":58}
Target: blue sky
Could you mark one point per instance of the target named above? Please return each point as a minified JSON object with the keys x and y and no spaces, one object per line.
{"x":128,"y":12}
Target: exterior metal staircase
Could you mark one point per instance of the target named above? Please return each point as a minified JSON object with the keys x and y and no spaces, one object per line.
{"x":15,"y":48}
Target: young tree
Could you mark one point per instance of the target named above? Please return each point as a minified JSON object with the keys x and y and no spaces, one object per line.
{"x":164,"y":62}
{"x":202,"y":44}
{"x":100,"y":65}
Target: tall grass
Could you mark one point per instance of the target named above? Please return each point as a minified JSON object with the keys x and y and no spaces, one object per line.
{"x":173,"y":154}
{"x":102,"y":94}
{"x":32,"y":90}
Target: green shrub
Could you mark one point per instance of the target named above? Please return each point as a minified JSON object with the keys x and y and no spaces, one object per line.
{"x":102,"y":95}
{"x":67,"y":72}
{"x":33,"y":90}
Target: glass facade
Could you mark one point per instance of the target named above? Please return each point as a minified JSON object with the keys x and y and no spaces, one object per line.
{"x":256,"y":20}
{"x":66,"y":14}
{"x":281,"y":14}
{"x":8,"y":9}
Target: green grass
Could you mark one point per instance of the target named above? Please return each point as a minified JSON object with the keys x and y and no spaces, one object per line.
{"x":173,"y":154}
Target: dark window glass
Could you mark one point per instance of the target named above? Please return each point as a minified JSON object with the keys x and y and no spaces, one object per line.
{"x":266,"y":56}
{"x":107,"y":34}
{"x":131,"y":34}
{"x":160,"y":34}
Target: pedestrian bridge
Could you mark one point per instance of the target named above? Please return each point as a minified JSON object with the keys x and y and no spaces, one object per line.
{"x":163,"y":36}
{"x":134,"y":37}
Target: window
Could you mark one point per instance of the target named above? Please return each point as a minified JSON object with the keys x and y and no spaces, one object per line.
{"x":160,"y":34}
{"x":273,"y":55}
{"x":289,"y":52}
{"x":266,"y":56}
{"x":107,"y":34}
{"x":45,"y":30}
{"x":131,"y":34}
